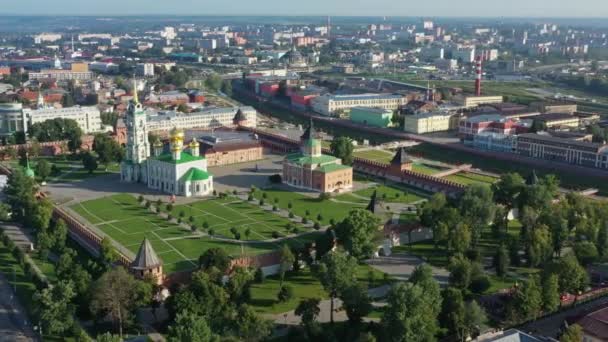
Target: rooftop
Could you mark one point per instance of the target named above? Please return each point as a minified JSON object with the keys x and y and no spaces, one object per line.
{"x":333,"y":168}
{"x":373,"y":110}
{"x":185,"y":157}
{"x":300,"y":159}
{"x":146,"y":257}
{"x":195,"y":174}
{"x":363,"y":97}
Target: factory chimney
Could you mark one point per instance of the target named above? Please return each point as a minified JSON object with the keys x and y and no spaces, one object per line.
{"x":478,"y":76}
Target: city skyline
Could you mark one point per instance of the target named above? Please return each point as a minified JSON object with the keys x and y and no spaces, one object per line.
{"x":440,"y":8}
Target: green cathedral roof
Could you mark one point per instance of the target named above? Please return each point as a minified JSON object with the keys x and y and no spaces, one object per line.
{"x":185,"y":157}
{"x":300,"y":159}
{"x":194,"y":175}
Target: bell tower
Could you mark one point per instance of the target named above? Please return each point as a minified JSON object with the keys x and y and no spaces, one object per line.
{"x":133,"y":168}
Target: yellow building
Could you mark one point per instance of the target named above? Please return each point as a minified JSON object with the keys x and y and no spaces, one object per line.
{"x":474,"y":101}
{"x":428,"y":123}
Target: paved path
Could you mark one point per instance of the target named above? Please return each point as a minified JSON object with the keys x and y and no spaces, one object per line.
{"x":401,"y":266}
{"x":14,"y":324}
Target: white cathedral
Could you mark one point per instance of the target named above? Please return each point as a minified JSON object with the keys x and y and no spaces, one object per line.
{"x":181,"y":173}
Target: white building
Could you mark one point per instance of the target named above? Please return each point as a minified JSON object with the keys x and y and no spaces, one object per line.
{"x":210,"y":118}
{"x":177,"y":172}
{"x":428,"y":123}
{"x":46,"y":37}
{"x":145,"y":69}
{"x":88,"y":118}
{"x":11,"y":118}
{"x":466,"y":55}
{"x":329,"y":104}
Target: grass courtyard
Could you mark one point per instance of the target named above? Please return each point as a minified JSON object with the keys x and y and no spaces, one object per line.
{"x":123,"y":219}
{"x":69,"y":170}
{"x":301,"y":204}
{"x":467,"y":178}
{"x":380,"y":156}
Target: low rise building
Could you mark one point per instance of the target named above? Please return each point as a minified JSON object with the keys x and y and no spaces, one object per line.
{"x":378,"y":117}
{"x":493,"y":142}
{"x":429,"y":123}
{"x":145,"y":69}
{"x":78,"y":71}
{"x":206,"y":118}
{"x":490,"y":123}
{"x":474,"y":101}
{"x":88,"y":118}
{"x":312,"y":170}
{"x":12,"y":119}
{"x":230,"y":147}
{"x":330,"y":104}
{"x":547,"y":147}
{"x":555,"y":120}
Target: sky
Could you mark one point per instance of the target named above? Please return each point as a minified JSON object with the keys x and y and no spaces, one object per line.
{"x":415,"y":8}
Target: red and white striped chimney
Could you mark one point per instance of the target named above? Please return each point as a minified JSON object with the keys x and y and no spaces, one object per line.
{"x":478,"y":76}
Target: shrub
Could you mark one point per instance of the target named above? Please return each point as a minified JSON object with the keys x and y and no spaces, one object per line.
{"x":289,"y":205}
{"x":182,"y":213}
{"x":295,"y":230}
{"x":264,"y":195}
{"x":319,"y":217}
{"x":324,"y":196}
{"x":206,"y":225}
{"x":169,"y":207}
{"x":214,"y":192}
{"x":307,"y":212}
{"x":332,"y":222}
{"x":148,"y":204}
{"x":159,"y":203}
{"x":473,"y":255}
{"x":275,"y":179}
{"x":237,"y":236}
{"x":169,"y":217}
{"x":480,"y":284}
{"x":234,"y":192}
{"x":179,"y":220}
{"x":285,"y":293}
{"x":191,"y":219}
{"x":211,"y":232}
{"x":193,"y":228}
{"x":274,"y":208}
{"x":291,"y":215}
{"x":261,"y":202}
{"x":250,"y":197}
{"x":317,"y":225}
{"x":259,"y":275}
{"x":140,"y":198}
{"x":304,"y":220}
{"x":276,"y":235}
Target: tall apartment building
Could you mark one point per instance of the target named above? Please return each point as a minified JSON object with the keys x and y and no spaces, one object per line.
{"x":145,"y":69}
{"x":207,"y":119}
{"x":329,"y":104}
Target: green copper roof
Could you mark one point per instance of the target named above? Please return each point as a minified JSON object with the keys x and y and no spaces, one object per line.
{"x":195,"y":174}
{"x":29,"y":172}
{"x":299,"y":158}
{"x":184,"y":158}
{"x":333,"y":167}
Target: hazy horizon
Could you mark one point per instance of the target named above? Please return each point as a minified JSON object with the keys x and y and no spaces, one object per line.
{"x":394,"y":8}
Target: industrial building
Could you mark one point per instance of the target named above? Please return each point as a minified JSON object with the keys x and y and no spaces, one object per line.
{"x":545,"y":146}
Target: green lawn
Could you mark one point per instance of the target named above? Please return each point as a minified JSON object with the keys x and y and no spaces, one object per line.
{"x":380,"y":156}
{"x":128,"y":223}
{"x":426,"y":168}
{"x":301,"y":203}
{"x":393,"y":194}
{"x":305,"y":285}
{"x":467,"y":178}
{"x":69,"y":170}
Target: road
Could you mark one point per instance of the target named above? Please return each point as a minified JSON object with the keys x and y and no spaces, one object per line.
{"x":14,"y":324}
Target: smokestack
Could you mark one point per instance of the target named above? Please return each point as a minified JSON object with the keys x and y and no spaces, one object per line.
{"x":478,"y":76}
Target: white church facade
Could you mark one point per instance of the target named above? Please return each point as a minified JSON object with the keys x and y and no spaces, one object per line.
{"x":179,"y":172}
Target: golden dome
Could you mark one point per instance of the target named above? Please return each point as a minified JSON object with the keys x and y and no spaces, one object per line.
{"x":177,"y":134}
{"x":194,"y":143}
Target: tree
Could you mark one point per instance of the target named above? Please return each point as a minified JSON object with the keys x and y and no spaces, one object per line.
{"x":356,"y":302}
{"x":571,"y":275}
{"x":215,"y":257}
{"x":602,"y":242}
{"x":357,"y":233}
{"x":342,"y":148}
{"x":227,"y":87}
{"x":474,"y":319}
{"x":550,"y":293}
{"x":574,"y":333}
{"x":107,"y":149}
{"x":308,"y":310}
{"x":43,"y":169}
{"x":586,"y":252}
{"x":460,"y":271}
{"x":239,"y":283}
{"x":286,"y":261}
{"x":107,"y":253}
{"x":501,"y":261}
{"x":540,"y":246}
{"x":423,"y":277}
{"x":40,"y":214}
{"x":507,"y":189}
{"x":396,"y":119}
{"x":20,"y":190}
{"x":526,"y":303}
{"x":407,"y":316}
{"x":460,"y":238}
{"x":89,"y":162}
{"x":108,"y":337}
{"x":213,"y":82}
{"x":249,"y":327}
{"x":115,"y":296}
{"x":183,"y":108}
{"x":189,"y":327}
{"x":538,"y":126}
{"x":452,"y":316}
{"x":477,"y":207}
{"x":337,"y":273}
{"x":61,"y":234}
{"x":54,"y":309}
